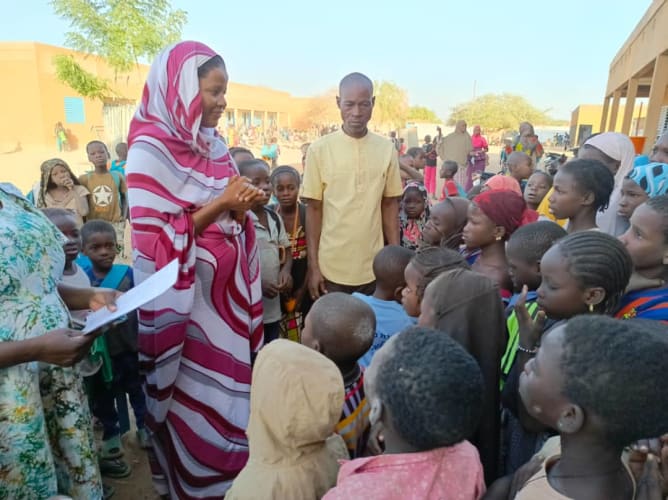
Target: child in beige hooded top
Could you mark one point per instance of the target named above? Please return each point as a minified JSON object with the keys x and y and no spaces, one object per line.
{"x":296,"y":400}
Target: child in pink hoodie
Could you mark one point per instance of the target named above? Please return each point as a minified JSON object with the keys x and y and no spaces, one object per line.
{"x":425,"y":397}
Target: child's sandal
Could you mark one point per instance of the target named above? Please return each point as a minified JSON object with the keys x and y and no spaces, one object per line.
{"x":114,"y":468}
{"x":111,"y":448}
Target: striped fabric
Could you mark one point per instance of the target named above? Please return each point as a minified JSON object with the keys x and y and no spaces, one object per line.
{"x":645,"y":304}
{"x":196,"y":340}
{"x":354,"y":424}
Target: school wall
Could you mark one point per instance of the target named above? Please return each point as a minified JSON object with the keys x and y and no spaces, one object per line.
{"x":590,"y":114}
{"x":32,"y":98}
{"x":20,"y":97}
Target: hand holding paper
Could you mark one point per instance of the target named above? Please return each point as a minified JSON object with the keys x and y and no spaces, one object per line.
{"x":133,"y":299}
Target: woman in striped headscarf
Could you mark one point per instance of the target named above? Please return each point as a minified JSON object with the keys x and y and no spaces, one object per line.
{"x":187,"y":202}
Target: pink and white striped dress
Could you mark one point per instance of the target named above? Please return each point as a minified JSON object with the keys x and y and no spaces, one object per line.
{"x":195,"y":342}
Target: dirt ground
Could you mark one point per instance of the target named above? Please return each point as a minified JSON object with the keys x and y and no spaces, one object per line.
{"x":22,"y":168}
{"x":137,"y":486}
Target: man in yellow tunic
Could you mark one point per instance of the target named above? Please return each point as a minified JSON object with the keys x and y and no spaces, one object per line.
{"x":352,"y":185}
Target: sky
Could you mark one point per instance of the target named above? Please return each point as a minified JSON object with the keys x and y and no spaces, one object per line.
{"x":443,"y":52}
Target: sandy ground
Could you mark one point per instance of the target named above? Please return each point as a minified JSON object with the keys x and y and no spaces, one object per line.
{"x":137,"y":486}
{"x":22,"y":168}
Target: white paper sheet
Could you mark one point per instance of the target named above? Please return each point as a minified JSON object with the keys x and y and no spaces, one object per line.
{"x":133,"y":299}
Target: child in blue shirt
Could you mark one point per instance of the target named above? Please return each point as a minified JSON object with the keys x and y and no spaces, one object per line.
{"x":99,"y":245}
{"x":391,"y":318}
{"x":118,"y":165}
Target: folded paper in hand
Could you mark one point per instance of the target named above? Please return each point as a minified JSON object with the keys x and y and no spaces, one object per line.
{"x":133,"y":299}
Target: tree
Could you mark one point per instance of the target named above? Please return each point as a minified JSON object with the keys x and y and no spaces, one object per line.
{"x":122,"y":32}
{"x":319,"y":110}
{"x":391,"y":108}
{"x":499,"y":112}
{"x":422,"y":114}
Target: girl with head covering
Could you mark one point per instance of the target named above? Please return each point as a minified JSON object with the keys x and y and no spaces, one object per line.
{"x":413,"y":214}
{"x":453,"y":303}
{"x":492,"y":218}
{"x":644,"y":182}
{"x":196,"y":341}
{"x":527,"y":142}
{"x":615,"y":151}
{"x":502,"y":182}
{"x":60,"y":188}
{"x":478,"y":157}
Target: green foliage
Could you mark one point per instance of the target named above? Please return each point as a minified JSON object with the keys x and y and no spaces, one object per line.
{"x":422,"y":114}
{"x":123,"y":32}
{"x":87,"y":84}
{"x":499,"y":112}
{"x":391,"y":108}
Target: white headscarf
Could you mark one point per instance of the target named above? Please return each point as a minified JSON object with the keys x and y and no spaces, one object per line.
{"x":618,"y":147}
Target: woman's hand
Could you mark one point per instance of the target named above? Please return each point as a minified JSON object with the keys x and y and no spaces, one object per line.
{"x":530,"y":330}
{"x":103,"y":297}
{"x":240,"y":195}
{"x":63,"y":347}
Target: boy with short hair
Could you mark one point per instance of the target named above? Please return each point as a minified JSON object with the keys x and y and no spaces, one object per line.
{"x":274,"y":246}
{"x":425,"y":392}
{"x":388,"y":268}
{"x":99,"y":245}
{"x":520,"y":167}
{"x":240,"y":154}
{"x":419,"y":157}
{"x":342,"y":327}
{"x":118,"y":165}
{"x":66,"y":222}
{"x":601,"y":383}
{"x":108,"y":191}
{"x":450,"y":187}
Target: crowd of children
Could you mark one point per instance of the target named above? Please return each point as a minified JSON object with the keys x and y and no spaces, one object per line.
{"x":532,"y":340}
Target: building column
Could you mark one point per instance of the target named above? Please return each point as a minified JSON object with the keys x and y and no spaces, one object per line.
{"x":656,"y":94}
{"x":265,"y":120}
{"x":616,"y":97}
{"x":236,"y":117}
{"x":604,"y":115}
{"x":629,"y":107}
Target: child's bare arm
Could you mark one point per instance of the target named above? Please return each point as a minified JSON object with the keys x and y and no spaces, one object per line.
{"x":499,"y":490}
{"x":285,"y":276}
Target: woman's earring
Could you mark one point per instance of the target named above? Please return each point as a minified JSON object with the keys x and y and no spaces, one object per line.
{"x":591,"y":308}
{"x":498,"y":238}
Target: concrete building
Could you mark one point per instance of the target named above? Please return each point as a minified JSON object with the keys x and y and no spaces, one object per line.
{"x":586,"y":120}
{"x":33,"y":100}
{"x":640,"y":70}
